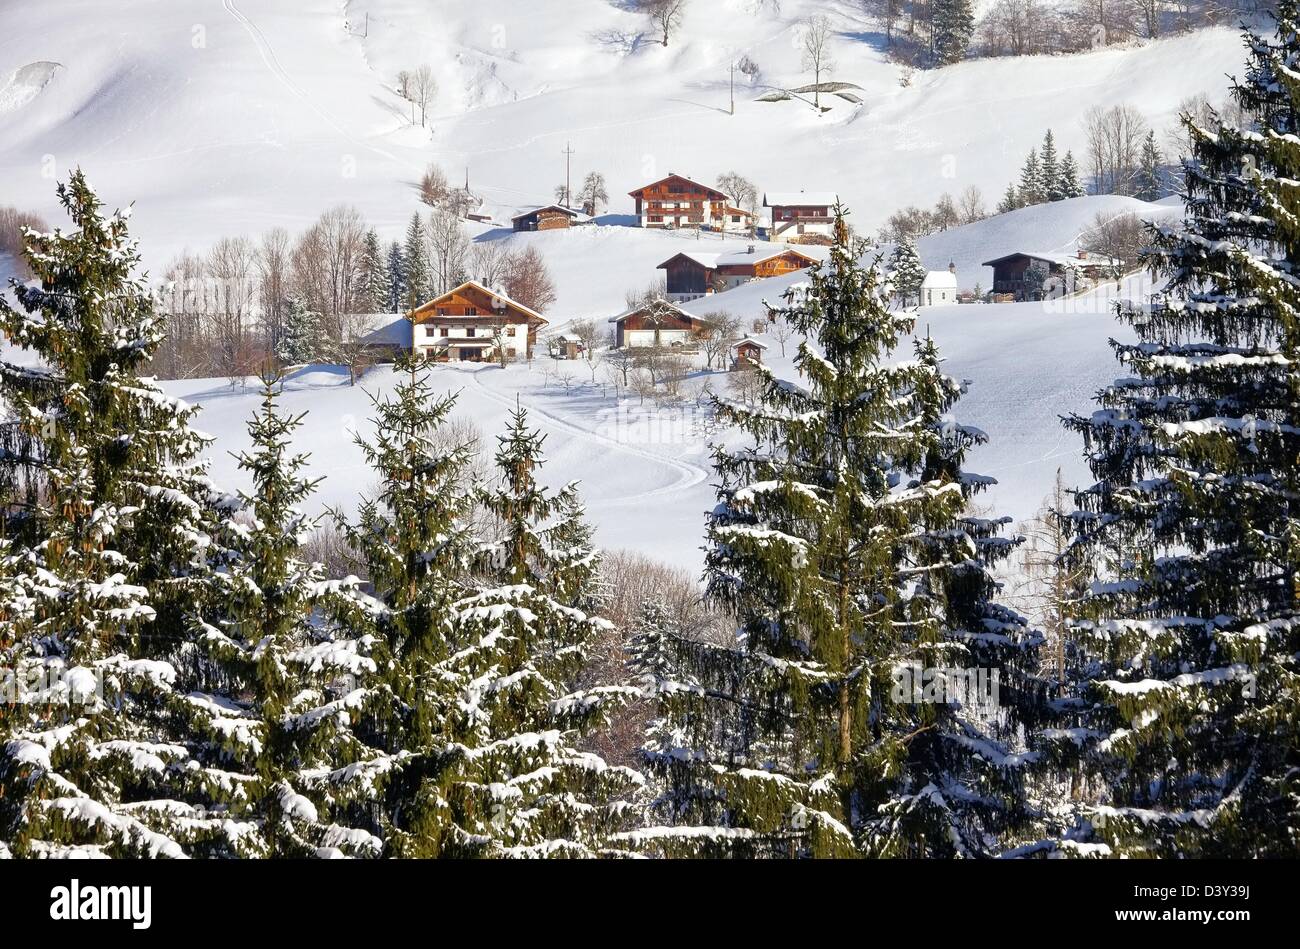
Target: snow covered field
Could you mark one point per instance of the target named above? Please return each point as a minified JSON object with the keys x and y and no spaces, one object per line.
{"x":224,"y":118}
{"x":230,"y":117}
{"x":645,"y":469}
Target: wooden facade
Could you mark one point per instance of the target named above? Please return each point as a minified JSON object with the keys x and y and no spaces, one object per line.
{"x":469,"y":322}
{"x":677,"y":201}
{"x":656,"y":324}
{"x":1022,"y":275}
{"x":690,"y":275}
{"x":549,"y":218}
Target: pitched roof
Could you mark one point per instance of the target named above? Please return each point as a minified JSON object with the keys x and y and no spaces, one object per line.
{"x":800,"y":199}
{"x":672,"y":174}
{"x":497,"y":294}
{"x":939,"y":280}
{"x":1052,"y":257}
{"x":664,"y":304}
{"x":572,"y":212}
{"x":749,"y":341}
{"x":711,"y":260}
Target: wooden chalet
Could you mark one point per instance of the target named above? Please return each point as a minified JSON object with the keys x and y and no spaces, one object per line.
{"x":658,"y":323}
{"x":693,"y":274}
{"x":468,"y":324}
{"x":677,"y":201}
{"x":1028,"y":275}
{"x":547,"y":218}
{"x":802,"y":217}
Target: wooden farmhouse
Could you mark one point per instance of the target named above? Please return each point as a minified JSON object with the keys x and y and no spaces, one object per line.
{"x":658,"y":323}
{"x":693,"y":274}
{"x":468,"y":324}
{"x":547,"y":218}
{"x":802,"y":217}
{"x":677,"y":201}
{"x":1029,"y":275}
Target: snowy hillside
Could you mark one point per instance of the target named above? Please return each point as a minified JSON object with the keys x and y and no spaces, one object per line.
{"x":231,"y":117}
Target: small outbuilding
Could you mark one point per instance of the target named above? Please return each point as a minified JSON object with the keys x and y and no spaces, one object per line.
{"x":747,"y":353}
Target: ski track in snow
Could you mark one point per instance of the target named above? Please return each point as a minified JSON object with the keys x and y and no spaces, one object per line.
{"x":267,"y":52}
{"x":690,"y":474}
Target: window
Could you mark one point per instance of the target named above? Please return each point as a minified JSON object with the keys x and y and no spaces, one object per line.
{"x":444,"y":331}
{"x":510,"y":331}
{"x":469,"y":331}
{"x":430,"y":331}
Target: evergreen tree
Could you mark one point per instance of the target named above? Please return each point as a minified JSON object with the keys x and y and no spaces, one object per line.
{"x":906,"y":271}
{"x":415,"y":545}
{"x":266,"y":678}
{"x":1148,"y":172}
{"x":1069,"y":186}
{"x":518,"y":653}
{"x":418,"y":280}
{"x":108,"y":519}
{"x":1010,"y":201}
{"x":1031,"y":189}
{"x":952,"y":23}
{"x":374,"y":290}
{"x":1050,"y":170}
{"x":1189,"y":711}
{"x":302,"y":335}
{"x":396,"y":280}
{"x":840,"y":544}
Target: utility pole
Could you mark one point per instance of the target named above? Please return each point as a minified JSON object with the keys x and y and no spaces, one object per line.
{"x":568,"y":191}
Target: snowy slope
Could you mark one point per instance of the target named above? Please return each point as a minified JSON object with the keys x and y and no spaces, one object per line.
{"x":1045,"y":228}
{"x":229,"y":117}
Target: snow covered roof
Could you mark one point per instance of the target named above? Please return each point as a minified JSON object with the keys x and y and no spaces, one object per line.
{"x":713,"y":259}
{"x":939,"y":280}
{"x":395,"y":332}
{"x":705,"y":259}
{"x":800,"y":199}
{"x":572,"y":212}
{"x":673,"y":174}
{"x":658,"y":304}
{"x":1061,"y":260}
{"x":749,"y":341}
{"x":757,"y":256}
{"x":498,"y":294}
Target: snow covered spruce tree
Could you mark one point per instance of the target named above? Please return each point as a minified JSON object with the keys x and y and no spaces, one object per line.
{"x":520,"y":786}
{"x":107,"y":521}
{"x":1190,"y":630}
{"x":851,"y":716}
{"x":906,"y":273}
{"x":268,"y":679}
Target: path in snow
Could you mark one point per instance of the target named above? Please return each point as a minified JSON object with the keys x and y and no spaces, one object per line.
{"x":689,"y":474}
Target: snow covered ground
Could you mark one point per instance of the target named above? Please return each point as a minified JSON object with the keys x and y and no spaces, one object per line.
{"x":645,"y":469}
{"x":224,"y":118}
{"x":221,"y":118}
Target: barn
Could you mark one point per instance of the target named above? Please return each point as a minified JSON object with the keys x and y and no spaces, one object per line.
{"x":1025,"y":275}
{"x":546,"y":218}
{"x":655,"y":324}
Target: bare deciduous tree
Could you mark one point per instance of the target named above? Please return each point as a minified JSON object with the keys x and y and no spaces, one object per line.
{"x":1115,"y":137}
{"x":528,"y":281}
{"x":665,"y":15}
{"x":423,"y":89}
{"x":815,"y":47}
